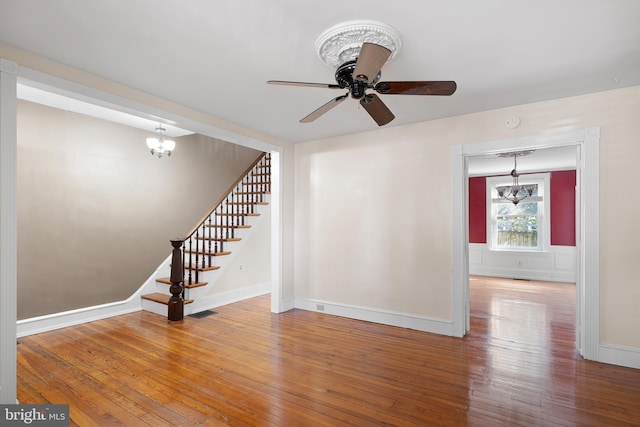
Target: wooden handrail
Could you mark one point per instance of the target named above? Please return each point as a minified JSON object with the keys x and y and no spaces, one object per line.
{"x":223,"y":197}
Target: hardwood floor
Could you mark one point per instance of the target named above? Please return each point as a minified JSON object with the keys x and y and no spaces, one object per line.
{"x":245,"y":366}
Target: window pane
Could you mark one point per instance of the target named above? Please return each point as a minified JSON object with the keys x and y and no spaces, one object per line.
{"x":517,"y":230}
{"x":517,"y":226}
{"x":521,"y":208}
{"x":518,"y":239}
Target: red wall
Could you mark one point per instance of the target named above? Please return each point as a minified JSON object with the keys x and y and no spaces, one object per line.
{"x":562,"y":206}
{"x":477,"y":210}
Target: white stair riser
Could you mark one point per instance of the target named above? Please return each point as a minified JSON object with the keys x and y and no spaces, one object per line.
{"x":161,"y":309}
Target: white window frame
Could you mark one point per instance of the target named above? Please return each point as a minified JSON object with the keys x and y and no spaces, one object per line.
{"x":544,"y":212}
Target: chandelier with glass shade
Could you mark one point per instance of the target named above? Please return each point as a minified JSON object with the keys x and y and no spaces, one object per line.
{"x":515,"y":192}
{"x":160,"y":145}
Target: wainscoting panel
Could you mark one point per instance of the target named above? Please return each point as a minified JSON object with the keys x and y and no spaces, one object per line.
{"x":558,"y":264}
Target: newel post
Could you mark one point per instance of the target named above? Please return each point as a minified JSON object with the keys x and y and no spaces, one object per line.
{"x":176,"y":303}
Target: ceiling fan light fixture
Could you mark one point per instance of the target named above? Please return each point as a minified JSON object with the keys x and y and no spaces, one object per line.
{"x":360,"y":50}
{"x":342,"y":42}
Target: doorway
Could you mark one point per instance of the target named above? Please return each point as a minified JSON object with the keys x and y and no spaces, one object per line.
{"x":520,"y":249}
{"x":586,"y":142}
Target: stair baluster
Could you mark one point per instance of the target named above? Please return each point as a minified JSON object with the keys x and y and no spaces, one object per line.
{"x":190,"y":281}
{"x":225,"y":219}
{"x":234,"y":216}
{"x":219,"y":242}
{"x":209,"y":257}
{"x":241,"y":200}
{"x":195,"y":264}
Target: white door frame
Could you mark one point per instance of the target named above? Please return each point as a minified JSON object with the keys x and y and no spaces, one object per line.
{"x":8,"y":232}
{"x":587,"y":221}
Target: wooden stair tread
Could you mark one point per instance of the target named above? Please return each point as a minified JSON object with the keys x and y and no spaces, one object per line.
{"x":237,"y":214}
{"x":247,"y":203}
{"x":162,"y":298}
{"x":167,"y":281}
{"x":253,"y":192}
{"x":195,"y":267}
{"x":222,"y":253}
{"x":227,"y":226}
{"x":223,"y":239}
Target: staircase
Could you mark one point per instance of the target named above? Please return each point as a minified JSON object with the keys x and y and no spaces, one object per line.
{"x":210,"y":245}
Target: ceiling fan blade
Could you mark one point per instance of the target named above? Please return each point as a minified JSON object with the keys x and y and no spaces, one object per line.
{"x":326,"y":107}
{"x":320,"y":85}
{"x":377,"y":109}
{"x":370,"y":60}
{"x":416,"y":88}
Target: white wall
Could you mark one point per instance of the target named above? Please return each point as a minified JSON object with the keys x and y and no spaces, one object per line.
{"x":373,"y":210}
{"x":251,"y":264}
{"x":372,"y":229}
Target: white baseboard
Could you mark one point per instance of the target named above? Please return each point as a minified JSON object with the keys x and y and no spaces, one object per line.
{"x":208,"y":302}
{"x":50,"y":322}
{"x":403,"y":320}
{"x":36,"y":325}
{"x":523,"y":274}
{"x":617,"y":355}
{"x":288,"y":304}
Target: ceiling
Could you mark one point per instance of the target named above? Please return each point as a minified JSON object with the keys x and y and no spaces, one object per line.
{"x":548,"y":159}
{"x":558,"y":158}
{"x":216,"y":56}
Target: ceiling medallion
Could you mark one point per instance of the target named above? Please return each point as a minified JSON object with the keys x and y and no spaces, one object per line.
{"x":342,"y":42}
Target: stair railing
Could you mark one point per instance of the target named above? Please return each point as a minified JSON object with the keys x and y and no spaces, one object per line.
{"x":207,"y":239}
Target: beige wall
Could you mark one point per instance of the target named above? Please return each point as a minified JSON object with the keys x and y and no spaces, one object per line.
{"x":373,"y":210}
{"x":96,"y":211}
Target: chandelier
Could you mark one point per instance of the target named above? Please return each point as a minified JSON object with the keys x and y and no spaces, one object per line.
{"x":160,"y":145}
{"x":515,"y":192}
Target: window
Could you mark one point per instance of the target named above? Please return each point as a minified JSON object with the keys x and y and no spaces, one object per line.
{"x":518,"y":227}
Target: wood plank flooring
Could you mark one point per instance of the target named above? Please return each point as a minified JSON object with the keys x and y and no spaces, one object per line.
{"x":244,"y":366}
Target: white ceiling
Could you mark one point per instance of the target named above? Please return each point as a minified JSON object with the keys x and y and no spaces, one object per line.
{"x":549,"y":159}
{"x":215,"y":56}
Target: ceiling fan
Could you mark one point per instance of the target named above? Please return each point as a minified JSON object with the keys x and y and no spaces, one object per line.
{"x":364,"y":73}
